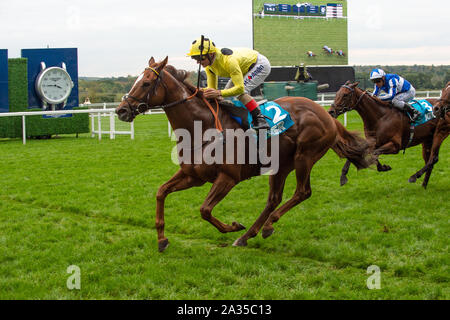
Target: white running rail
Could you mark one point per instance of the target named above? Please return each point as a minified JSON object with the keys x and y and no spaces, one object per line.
{"x":93,"y":112}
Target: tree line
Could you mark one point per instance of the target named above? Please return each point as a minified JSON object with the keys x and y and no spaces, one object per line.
{"x":422,"y":78}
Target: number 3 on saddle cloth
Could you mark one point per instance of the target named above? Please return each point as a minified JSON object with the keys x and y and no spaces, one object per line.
{"x":425,"y":109}
{"x":278,"y":119}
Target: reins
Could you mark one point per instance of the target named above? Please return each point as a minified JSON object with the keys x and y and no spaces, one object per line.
{"x":217,"y":122}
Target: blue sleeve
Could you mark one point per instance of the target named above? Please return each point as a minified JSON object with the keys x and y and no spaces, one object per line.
{"x":392,"y":90}
{"x":376,"y":91}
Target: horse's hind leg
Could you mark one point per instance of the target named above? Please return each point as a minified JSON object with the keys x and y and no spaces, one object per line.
{"x":277,"y":183}
{"x":303,"y":165}
{"x":219,"y":190}
{"x":180,"y":181}
{"x":344,"y":172}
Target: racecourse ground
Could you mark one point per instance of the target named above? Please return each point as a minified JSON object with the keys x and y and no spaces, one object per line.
{"x":91,"y":203}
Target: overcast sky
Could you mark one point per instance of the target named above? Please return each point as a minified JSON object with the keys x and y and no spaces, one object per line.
{"x":117,"y":37}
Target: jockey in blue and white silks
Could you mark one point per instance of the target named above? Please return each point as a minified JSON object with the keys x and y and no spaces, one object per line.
{"x":397,"y":90}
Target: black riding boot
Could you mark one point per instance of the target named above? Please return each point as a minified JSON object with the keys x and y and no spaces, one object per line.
{"x":259,"y":122}
{"x":412,"y":112}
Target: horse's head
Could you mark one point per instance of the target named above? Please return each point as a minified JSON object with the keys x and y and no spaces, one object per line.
{"x":145,"y":93}
{"x":345,"y":99}
{"x":443,"y":105}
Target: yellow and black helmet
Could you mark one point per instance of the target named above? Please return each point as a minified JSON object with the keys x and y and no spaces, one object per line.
{"x":208,"y":47}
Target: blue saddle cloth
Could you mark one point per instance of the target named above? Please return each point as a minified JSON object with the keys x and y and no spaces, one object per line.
{"x":426,"y":111}
{"x":279,"y":119}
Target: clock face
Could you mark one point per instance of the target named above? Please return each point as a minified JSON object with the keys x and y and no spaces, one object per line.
{"x":54,"y":85}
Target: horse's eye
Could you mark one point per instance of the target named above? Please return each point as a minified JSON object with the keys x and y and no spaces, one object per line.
{"x":146,"y":84}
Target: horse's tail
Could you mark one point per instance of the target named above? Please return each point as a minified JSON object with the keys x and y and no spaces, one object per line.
{"x":351,"y":146}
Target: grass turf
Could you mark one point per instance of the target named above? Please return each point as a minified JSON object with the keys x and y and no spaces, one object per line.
{"x":80,"y":201}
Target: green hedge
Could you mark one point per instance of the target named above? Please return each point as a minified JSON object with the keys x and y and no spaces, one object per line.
{"x":18,"y":84}
{"x":40,"y":126}
{"x":11,"y":127}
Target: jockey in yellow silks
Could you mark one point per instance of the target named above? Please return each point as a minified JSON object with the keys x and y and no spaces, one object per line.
{"x":246,"y":68}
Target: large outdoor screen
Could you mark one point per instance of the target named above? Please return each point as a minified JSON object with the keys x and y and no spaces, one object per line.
{"x":290,"y":32}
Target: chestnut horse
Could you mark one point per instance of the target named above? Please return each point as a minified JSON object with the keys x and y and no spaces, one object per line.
{"x":442,"y":112}
{"x":385,"y":127}
{"x":314,"y":132}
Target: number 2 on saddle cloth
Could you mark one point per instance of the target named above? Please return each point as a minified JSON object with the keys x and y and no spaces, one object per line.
{"x":278,"y":119}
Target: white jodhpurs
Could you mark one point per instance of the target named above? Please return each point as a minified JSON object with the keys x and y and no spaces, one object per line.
{"x":404,"y":97}
{"x":256,"y":75}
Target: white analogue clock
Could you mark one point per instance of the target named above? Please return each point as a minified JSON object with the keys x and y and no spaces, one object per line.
{"x":53,"y":85}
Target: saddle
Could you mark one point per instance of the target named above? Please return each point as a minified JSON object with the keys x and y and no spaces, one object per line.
{"x":278,"y":119}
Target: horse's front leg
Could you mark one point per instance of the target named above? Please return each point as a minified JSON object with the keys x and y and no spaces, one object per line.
{"x":180,"y":181}
{"x":221,"y":186}
{"x":382,"y":167}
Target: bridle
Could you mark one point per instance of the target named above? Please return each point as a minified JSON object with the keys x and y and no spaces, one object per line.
{"x":445,"y":106}
{"x":344,"y":109}
{"x":441,"y":111}
{"x":143,"y":105}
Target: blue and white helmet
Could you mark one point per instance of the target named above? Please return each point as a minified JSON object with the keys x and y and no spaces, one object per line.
{"x":377,"y":74}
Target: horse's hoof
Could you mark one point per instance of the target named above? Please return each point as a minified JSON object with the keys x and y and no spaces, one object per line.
{"x":384,"y":168}
{"x":237,"y":226}
{"x":344,"y":180}
{"x":240,"y":243}
{"x":424,"y":185}
{"x":267,"y":233}
{"x":412,"y":179}
{"x":163,"y":244}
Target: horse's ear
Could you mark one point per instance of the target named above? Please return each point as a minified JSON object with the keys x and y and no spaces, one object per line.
{"x":163,"y":63}
{"x":151,"y":61}
{"x":347,"y":82}
{"x":354,"y":85}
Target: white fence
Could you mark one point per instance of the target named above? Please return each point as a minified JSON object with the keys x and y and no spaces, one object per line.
{"x":109,"y":112}
{"x":103,"y":111}
{"x":326,"y":99}
{"x":99,"y":110}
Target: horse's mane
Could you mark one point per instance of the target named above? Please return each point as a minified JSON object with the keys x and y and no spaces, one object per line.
{"x":379,"y":101}
{"x":376,"y":99}
{"x":182,"y":76}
